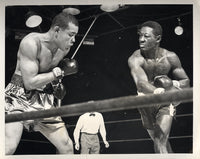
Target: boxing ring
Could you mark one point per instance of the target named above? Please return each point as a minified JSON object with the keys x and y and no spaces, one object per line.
{"x":110,"y":105}
{"x":107,"y":105}
{"x":134,"y":140}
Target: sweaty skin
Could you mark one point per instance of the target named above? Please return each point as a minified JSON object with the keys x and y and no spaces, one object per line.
{"x":145,"y":64}
{"x":39,"y":54}
{"x":148,"y":62}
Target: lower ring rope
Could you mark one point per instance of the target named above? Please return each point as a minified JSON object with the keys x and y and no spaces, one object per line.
{"x":146,"y":139}
{"x":131,"y":120}
{"x":114,"y":104}
{"x":112,"y":141}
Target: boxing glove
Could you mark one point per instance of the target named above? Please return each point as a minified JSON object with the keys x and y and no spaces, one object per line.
{"x":59,"y":90}
{"x":166,"y":83}
{"x":68,"y":66}
{"x":65,"y":67}
{"x":159,"y":90}
{"x":163,"y":81}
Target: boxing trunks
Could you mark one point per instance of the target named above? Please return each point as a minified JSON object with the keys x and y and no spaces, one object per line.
{"x":19,"y":100}
{"x":150,"y":114}
{"x":89,"y":143}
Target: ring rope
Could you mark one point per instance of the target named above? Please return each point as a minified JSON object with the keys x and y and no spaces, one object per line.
{"x":107,"y":105}
{"x":112,"y":141}
{"x":130,"y":120}
{"x":139,"y":119}
{"x":146,"y":139}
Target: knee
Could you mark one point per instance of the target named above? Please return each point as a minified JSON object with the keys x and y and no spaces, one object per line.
{"x":10,"y":149}
{"x":70,"y":143}
{"x":160,"y":141}
{"x":10,"y":145}
{"x":71,"y":147}
{"x":67,"y":147}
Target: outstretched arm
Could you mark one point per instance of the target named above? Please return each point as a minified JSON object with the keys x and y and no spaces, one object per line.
{"x":141,"y":80}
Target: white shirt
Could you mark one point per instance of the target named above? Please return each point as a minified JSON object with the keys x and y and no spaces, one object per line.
{"x":90,"y":124}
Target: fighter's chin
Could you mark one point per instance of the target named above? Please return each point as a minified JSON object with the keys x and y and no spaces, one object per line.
{"x":142,"y":48}
{"x":67,"y":49}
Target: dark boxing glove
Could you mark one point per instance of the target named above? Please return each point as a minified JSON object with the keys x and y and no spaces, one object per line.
{"x":59,"y":90}
{"x":163,"y":81}
{"x":68,"y":66}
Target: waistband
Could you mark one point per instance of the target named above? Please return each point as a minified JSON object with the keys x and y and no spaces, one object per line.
{"x":87,"y":133}
{"x":17,"y":80}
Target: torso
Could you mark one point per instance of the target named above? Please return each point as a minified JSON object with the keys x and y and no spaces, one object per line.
{"x":159,"y":66}
{"x":45,"y":58}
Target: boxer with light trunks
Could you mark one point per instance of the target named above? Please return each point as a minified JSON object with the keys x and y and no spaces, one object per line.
{"x":35,"y":82}
{"x":150,"y":66}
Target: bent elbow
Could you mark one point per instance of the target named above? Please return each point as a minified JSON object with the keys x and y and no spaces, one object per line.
{"x":140,"y":86}
{"x":28,"y":85}
{"x":187,"y":82}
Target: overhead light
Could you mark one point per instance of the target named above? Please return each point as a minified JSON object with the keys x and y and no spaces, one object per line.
{"x":178,"y":29}
{"x":109,"y":7}
{"x":73,"y":10}
{"x":33,"y":19}
{"x":88,"y":41}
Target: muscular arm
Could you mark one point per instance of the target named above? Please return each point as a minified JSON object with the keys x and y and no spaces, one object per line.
{"x":29,"y":66}
{"x":141,"y":80}
{"x":178,"y":72}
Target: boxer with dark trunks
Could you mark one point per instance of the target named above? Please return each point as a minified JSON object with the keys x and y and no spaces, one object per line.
{"x":150,"y":66}
{"x":35,"y":82}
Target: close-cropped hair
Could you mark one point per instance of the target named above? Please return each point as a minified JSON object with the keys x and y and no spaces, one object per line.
{"x":63,"y":19}
{"x":157,"y":28}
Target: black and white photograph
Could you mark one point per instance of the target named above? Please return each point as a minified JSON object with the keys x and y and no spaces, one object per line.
{"x":113,"y":79}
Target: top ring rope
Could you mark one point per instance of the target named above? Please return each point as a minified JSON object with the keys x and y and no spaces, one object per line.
{"x":107,"y":105}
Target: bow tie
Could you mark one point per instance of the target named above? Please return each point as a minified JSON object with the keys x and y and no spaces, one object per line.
{"x":92,"y":114}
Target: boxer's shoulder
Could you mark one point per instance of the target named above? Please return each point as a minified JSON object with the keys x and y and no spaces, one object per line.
{"x":30,"y":39}
{"x":30,"y":42}
{"x":168,"y":53}
{"x":136,"y":57}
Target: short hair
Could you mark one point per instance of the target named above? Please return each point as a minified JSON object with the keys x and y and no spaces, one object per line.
{"x":63,"y":19}
{"x":157,"y":29}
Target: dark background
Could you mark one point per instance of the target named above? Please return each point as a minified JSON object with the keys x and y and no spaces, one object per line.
{"x":104,"y":73}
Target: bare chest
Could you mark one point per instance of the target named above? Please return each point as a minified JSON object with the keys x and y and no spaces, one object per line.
{"x":156,"y":67}
{"x":47,"y":61}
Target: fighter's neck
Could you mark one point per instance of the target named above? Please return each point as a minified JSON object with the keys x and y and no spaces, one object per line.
{"x":154,"y":53}
{"x":50,"y":43}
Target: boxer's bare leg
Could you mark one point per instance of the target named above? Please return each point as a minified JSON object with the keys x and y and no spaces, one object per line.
{"x":13,"y":135}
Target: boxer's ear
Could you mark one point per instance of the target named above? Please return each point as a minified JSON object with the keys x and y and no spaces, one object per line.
{"x":158,"y":38}
{"x":56,"y":30}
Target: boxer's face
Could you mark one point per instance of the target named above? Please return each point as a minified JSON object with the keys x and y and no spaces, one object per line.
{"x":66,"y":37}
{"x":147,"y":39}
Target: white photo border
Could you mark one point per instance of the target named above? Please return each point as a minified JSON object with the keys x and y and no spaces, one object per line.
{"x":196,"y":75}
